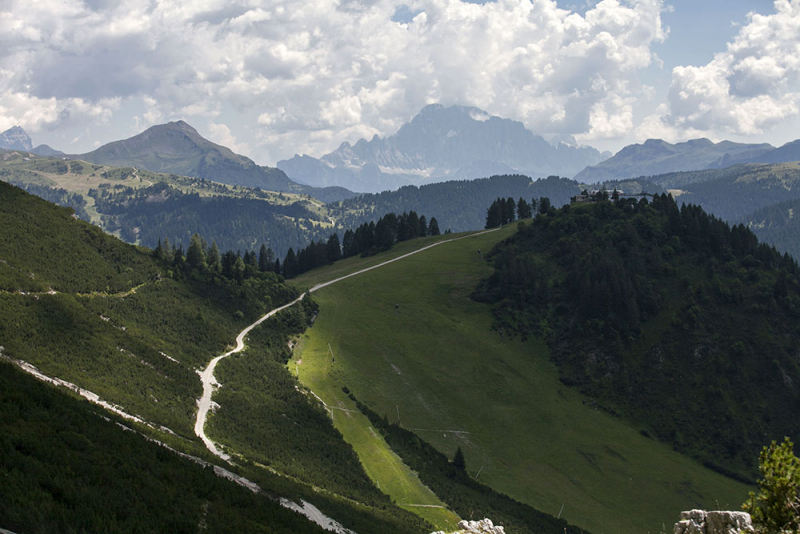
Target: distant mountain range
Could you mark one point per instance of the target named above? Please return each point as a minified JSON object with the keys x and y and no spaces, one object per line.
{"x":656,"y":156}
{"x":177,"y":148}
{"x":15,"y":138}
{"x":441,"y":143}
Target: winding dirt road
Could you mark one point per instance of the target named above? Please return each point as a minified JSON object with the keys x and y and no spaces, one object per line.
{"x":204,"y":403}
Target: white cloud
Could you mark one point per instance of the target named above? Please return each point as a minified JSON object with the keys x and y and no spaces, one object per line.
{"x":221,"y":134}
{"x":751,"y":87}
{"x":38,"y":114}
{"x":306,"y":76}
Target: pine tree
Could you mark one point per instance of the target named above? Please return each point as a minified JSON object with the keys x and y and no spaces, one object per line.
{"x":167,"y":257}
{"x":523,"y":209}
{"x":333,"y":251}
{"x":494,"y":215}
{"x":239,"y":269}
{"x":508,"y":209}
{"x":213,"y":258}
{"x":195,"y":257}
{"x":458,"y":460}
{"x":266,"y":258}
{"x":290,"y":264}
{"x":423,"y":226}
{"x":544,"y":205}
{"x":433,"y":227}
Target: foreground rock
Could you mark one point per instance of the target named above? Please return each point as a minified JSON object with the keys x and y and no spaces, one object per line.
{"x":484,"y":526}
{"x":717,"y":522}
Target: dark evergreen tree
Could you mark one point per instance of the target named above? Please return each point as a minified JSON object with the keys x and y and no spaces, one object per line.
{"x":195,"y":255}
{"x":508,"y":208}
{"x":333,"y":251}
{"x":213,"y":258}
{"x":458,"y":460}
{"x":349,"y":244}
{"x":290,"y":264}
{"x":494,"y":215}
{"x":423,"y":226}
{"x":544,"y":205}
{"x":266,"y":258}
{"x":523,"y":209}
{"x":433,"y":227}
{"x":228,"y":261}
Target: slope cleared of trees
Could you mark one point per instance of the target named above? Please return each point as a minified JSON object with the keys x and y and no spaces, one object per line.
{"x":408,"y":342}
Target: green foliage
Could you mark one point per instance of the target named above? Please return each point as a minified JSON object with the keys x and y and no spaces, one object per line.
{"x":776,"y":507}
{"x":140,"y":348}
{"x":72,"y":256}
{"x":367,"y":240}
{"x":451,"y":482}
{"x":458,"y":460}
{"x":263,"y":415}
{"x":148,"y":214}
{"x":67,"y":467}
{"x":666,"y":316}
{"x":457,"y":205}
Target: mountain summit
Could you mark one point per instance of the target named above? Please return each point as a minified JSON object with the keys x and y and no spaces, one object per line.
{"x":178,"y":148}
{"x":441,"y":143}
{"x":15,"y":138}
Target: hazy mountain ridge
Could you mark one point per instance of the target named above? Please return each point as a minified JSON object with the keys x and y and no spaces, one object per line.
{"x":440,"y":143}
{"x":656,"y":156}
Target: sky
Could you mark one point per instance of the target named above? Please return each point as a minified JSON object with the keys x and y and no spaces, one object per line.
{"x":274,"y":78}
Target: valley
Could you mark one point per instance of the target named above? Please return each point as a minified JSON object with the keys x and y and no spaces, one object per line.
{"x":429,"y":267}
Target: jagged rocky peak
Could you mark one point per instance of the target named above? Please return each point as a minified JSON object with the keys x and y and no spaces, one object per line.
{"x":15,"y":138}
{"x":442,"y":143}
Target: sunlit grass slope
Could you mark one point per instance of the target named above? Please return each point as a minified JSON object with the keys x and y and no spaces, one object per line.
{"x":407,"y":340}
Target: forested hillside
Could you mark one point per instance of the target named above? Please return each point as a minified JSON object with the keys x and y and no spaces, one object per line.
{"x":666,"y":316}
{"x":778,"y":224}
{"x":67,"y":466}
{"x":127,"y":325}
{"x":148,"y":214}
{"x":457,"y":205}
{"x":142,"y":207}
{"x":737,"y":191}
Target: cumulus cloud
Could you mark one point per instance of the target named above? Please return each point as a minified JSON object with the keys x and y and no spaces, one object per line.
{"x":749,"y":88}
{"x":304,"y":76}
{"x":221,"y":134}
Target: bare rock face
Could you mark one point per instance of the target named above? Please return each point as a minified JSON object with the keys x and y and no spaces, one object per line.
{"x":716,"y":522}
{"x":484,"y":526}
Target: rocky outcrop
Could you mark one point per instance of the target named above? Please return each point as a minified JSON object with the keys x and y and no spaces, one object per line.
{"x":717,"y":522}
{"x":484,"y":526}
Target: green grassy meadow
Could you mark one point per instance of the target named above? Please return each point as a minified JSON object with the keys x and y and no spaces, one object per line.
{"x":407,"y":340}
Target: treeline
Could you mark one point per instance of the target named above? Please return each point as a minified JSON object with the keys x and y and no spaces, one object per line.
{"x":203,"y":261}
{"x":504,"y":211}
{"x":368,"y":239}
{"x":458,"y":205}
{"x":451,"y":482}
{"x":662,"y":314}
